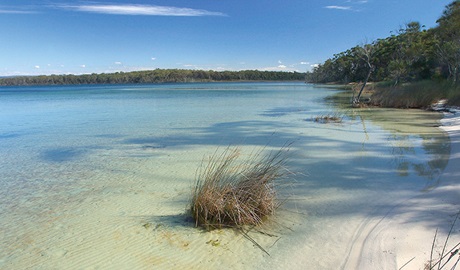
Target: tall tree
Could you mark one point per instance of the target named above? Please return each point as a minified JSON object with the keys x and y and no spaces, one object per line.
{"x":448,"y":48}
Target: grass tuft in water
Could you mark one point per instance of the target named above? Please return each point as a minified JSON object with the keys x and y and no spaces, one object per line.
{"x":329,"y":118}
{"x":235,"y":192}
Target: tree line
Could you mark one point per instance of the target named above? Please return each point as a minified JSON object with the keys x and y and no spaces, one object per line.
{"x":155,"y":76}
{"x":411,"y":53}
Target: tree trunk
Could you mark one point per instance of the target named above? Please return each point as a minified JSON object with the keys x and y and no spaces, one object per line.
{"x":356,"y":100}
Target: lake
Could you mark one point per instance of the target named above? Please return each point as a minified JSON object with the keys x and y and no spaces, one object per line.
{"x":99,"y":177}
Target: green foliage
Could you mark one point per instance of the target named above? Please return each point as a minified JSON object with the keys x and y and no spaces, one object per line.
{"x":155,"y":76}
{"x":409,"y":54}
{"x":448,"y":46}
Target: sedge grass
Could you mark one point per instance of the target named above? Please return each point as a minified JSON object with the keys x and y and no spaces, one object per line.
{"x":419,"y":94}
{"x":446,"y":256}
{"x":233,"y":192}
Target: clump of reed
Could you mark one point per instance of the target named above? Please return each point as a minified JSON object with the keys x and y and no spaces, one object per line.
{"x":234,"y":192}
{"x":329,"y":118}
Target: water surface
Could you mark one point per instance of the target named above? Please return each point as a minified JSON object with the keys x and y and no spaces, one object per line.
{"x":99,"y":176}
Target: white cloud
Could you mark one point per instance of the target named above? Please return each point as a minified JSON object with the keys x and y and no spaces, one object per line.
{"x":339,"y":7}
{"x":154,"y":58}
{"x":150,"y":10}
{"x":304,"y":63}
{"x":118,"y":63}
{"x":279,"y":62}
{"x":358,"y":1}
{"x":15,"y":11}
{"x":82,"y":66}
{"x":352,"y":5}
{"x":37,"y":67}
{"x":278,"y":68}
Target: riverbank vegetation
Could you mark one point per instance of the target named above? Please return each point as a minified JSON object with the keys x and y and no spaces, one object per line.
{"x":415,"y":66}
{"x":154,"y":76}
{"x":419,"y":94}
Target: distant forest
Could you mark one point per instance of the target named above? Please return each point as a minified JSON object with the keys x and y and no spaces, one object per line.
{"x":411,"y":53}
{"x":154,"y":76}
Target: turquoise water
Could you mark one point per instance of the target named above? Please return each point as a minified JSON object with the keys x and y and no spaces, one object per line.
{"x":66,"y":151}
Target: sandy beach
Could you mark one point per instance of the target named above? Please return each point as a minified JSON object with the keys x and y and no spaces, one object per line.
{"x":403,"y":238}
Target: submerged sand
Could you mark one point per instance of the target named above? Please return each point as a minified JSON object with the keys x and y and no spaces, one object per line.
{"x":126,"y":220}
{"x":403,"y":238}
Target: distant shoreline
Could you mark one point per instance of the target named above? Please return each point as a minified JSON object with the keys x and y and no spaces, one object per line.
{"x":154,"y":76}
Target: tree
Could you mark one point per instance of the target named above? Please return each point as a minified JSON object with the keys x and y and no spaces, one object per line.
{"x":365,"y":52}
{"x":448,"y":31}
{"x":449,"y":54}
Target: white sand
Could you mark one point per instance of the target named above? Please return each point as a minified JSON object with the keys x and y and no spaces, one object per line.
{"x":404,"y":236}
{"x":119,"y":221}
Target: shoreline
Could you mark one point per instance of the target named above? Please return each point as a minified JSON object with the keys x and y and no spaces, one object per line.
{"x":122,"y":201}
{"x":403,"y":237}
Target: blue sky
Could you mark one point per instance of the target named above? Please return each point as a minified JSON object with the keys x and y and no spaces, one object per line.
{"x":61,"y":37}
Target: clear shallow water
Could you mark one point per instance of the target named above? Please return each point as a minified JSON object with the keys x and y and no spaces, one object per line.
{"x":84,"y":168}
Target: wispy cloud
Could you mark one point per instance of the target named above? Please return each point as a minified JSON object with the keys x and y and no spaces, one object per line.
{"x":339,"y":7}
{"x":6,"y":11}
{"x":132,"y":9}
{"x":358,"y":1}
{"x":15,"y":10}
{"x":350,"y":5}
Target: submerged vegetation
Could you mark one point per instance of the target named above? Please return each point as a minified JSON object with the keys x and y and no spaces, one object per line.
{"x":155,"y":76}
{"x":410,"y":55}
{"x":230,"y":192}
{"x":329,"y":118}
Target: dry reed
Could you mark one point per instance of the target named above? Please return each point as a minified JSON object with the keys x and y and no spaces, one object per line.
{"x":329,"y":118}
{"x":445,"y":256}
{"x":230,"y":192}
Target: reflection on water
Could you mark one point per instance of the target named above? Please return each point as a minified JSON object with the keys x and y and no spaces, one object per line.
{"x":85,"y":168}
{"x":412,"y":135}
